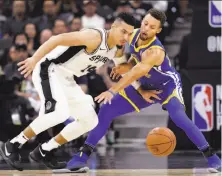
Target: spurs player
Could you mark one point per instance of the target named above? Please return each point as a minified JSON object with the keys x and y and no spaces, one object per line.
{"x":53,"y":66}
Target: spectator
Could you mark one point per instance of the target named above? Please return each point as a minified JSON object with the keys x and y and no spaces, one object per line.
{"x":112,"y":4}
{"x":17,"y":53}
{"x":182,"y":10}
{"x":45,"y":35}
{"x":68,"y":9}
{"x":124,"y":6}
{"x":59,"y":27}
{"x":16,"y":113}
{"x":21,"y":39}
{"x":20,"y":53}
{"x":9,"y":55}
{"x":140,"y":8}
{"x":34,"y":8}
{"x":104,"y":9}
{"x":16,"y":23}
{"x":31,"y":31}
{"x":160,"y":5}
{"x":109,"y":21}
{"x":2,"y":19}
{"x":12,"y":54}
{"x":5,"y":8}
{"x":76,"y":24}
{"x":27,"y":90}
{"x":49,"y":15}
{"x":91,"y":19}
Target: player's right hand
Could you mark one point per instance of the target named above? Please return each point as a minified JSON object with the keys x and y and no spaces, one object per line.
{"x":26,"y":67}
{"x":148,"y":95}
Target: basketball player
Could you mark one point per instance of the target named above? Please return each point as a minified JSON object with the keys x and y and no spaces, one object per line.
{"x":151,"y":66}
{"x":53,"y":66}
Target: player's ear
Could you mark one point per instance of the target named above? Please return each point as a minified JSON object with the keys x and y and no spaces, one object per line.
{"x":159,"y":30}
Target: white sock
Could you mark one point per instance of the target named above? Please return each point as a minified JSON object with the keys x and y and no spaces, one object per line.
{"x":52,"y":144}
{"x":21,"y":139}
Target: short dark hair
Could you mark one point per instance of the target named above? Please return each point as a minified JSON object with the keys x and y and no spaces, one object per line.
{"x":127,"y":18}
{"x":20,"y":33}
{"x":159,"y":15}
{"x":59,"y":19}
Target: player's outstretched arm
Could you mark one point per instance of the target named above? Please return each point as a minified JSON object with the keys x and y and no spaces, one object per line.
{"x":150,"y":58}
{"x":88,"y":37}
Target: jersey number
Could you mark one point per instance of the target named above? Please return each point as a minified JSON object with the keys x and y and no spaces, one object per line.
{"x":89,"y":68}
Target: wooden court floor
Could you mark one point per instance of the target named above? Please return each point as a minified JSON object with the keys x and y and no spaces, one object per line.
{"x":122,"y":172}
{"x":125,"y":161}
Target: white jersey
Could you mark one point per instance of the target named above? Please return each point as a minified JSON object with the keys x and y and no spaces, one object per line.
{"x":77,"y":61}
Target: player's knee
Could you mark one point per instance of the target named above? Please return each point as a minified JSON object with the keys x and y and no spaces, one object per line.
{"x":92,"y":122}
{"x":177,"y":112}
{"x":46,"y":121}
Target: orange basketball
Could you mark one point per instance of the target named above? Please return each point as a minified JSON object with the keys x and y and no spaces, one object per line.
{"x":161,"y":141}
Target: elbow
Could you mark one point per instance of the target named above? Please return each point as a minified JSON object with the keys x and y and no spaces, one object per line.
{"x":56,"y":40}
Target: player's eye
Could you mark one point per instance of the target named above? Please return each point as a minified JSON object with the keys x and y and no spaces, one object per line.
{"x":123,"y":31}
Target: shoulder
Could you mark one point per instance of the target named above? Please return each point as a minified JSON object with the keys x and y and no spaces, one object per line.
{"x":154,"y":51}
{"x":155,"y":55}
{"x":92,"y":35}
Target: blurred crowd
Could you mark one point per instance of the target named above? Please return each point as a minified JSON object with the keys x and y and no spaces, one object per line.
{"x":25,"y":25}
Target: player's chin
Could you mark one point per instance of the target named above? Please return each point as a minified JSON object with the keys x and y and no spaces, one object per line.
{"x":144,"y":38}
{"x":121,"y":44}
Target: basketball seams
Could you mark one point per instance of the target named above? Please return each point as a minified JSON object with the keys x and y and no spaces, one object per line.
{"x":172,"y":136}
{"x":159,"y":144}
{"x":160,"y":135}
{"x":165,"y":150}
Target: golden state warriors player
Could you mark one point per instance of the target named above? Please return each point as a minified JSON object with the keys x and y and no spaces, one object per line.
{"x":151,"y":66}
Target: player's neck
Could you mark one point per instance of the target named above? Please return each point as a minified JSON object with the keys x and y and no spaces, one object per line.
{"x":110,"y":40}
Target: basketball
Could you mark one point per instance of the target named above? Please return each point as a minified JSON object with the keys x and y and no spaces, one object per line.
{"x":161,"y":141}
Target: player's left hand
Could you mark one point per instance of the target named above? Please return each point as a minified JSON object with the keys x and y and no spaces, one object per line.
{"x":105,"y":97}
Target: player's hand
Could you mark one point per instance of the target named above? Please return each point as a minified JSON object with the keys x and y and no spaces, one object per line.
{"x":26,"y":66}
{"x":148,"y":95}
{"x":119,"y":70}
{"x":105,"y":97}
{"x":115,"y":73}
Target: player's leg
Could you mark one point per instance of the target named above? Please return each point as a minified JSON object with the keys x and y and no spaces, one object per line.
{"x":45,"y":120}
{"x":177,"y":114}
{"x":79,"y":106}
{"x":85,"y":120}
{"x":121,"y":104}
